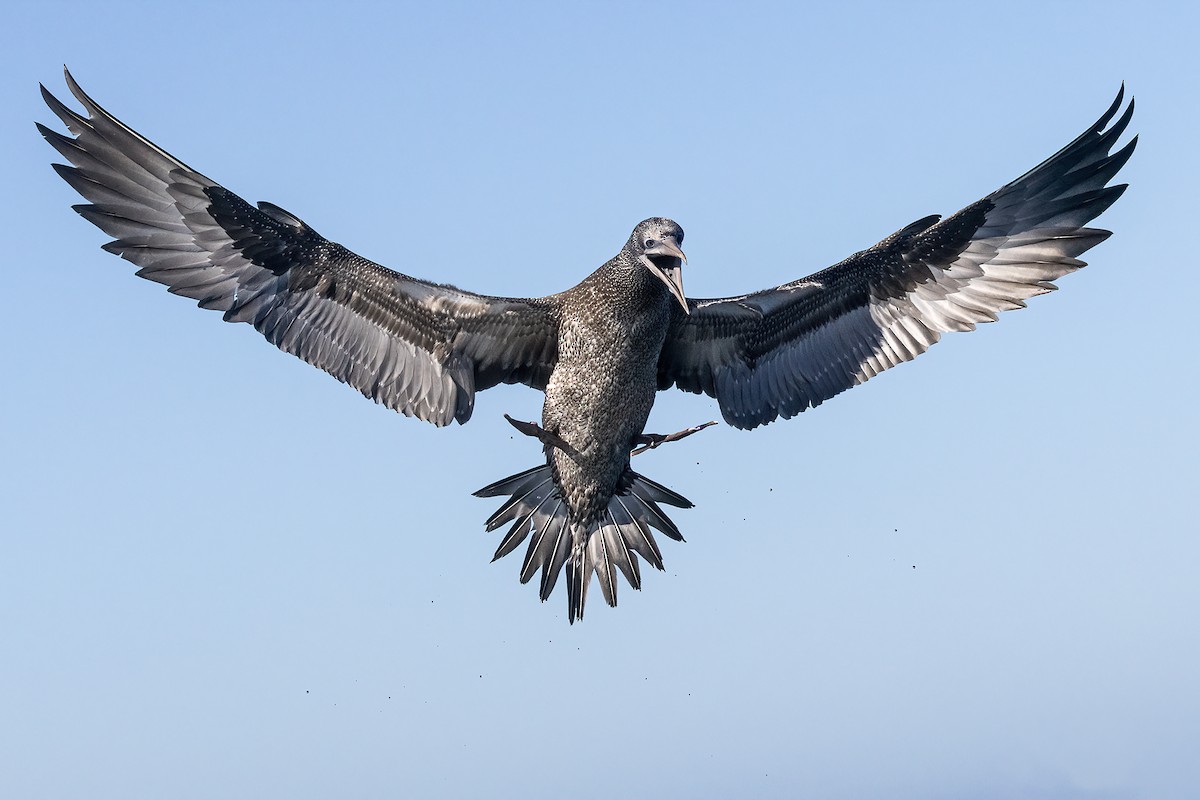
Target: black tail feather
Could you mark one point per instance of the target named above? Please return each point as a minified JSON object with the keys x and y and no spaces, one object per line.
{"x":604,"y":546}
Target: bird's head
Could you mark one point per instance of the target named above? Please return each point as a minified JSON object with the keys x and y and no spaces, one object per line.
{"x":656,"y":243}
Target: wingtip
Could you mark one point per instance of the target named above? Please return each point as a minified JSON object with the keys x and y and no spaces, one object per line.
{"x":93,"y":108}
{"x":48,"y":96}
{"x":71,"y":83}
{"x":1116,"y":105}
{"x":1112,"y":110}
{"x":1123,"y":122}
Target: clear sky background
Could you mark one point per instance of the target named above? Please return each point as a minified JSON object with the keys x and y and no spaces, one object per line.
{"x":223,"y":574}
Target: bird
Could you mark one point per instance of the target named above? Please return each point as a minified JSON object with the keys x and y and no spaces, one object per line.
{"x":602,"y":349}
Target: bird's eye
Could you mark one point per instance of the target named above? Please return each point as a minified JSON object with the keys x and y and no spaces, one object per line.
{"x":651,"y":243}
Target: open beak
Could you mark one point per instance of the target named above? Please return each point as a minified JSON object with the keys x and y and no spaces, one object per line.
{"x":665,"y":261}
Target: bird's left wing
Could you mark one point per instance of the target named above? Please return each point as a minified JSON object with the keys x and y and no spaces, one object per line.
{"x":777,"y":352}
{"x":420,"y":348}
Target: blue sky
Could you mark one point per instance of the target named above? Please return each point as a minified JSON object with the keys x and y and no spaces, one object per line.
{"x":224,"y":574}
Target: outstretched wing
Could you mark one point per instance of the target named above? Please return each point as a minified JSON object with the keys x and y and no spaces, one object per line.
{"x":777,"y":352}
{"x":420,"y":348}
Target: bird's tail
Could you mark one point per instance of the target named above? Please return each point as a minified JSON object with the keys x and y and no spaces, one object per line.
{"x":613,"y":541}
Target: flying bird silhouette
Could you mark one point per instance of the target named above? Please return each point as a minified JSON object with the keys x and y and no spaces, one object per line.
{"x":602,"y":349}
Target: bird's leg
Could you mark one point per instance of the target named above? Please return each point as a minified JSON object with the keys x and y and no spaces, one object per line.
{"x":649,"y":441}
{"x":544,"y":436}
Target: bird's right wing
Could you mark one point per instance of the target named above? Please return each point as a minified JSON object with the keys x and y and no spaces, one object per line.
{"x":777,"y":352}
{"x":419,"y":348}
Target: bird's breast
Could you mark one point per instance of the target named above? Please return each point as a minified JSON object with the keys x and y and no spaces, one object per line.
{"x":603,"y":385}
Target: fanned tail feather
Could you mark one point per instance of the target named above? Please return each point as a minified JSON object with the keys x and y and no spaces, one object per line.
{"x":606,"y":546}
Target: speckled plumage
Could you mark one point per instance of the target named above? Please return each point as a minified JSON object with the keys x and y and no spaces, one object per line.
{"x":602,"y":388}
{"x":602,"y":349}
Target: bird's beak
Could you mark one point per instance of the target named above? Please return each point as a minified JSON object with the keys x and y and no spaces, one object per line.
{"x":665,"y":261}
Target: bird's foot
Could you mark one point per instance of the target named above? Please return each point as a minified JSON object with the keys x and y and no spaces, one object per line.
{"x":649,"y":441}
{"x":544,"y":436}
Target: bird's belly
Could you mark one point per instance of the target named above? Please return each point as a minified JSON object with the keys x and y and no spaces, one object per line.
{"x":598,"y":400}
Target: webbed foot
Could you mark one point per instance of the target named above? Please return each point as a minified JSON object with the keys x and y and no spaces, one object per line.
{"x":649,"y":441}
{"x":544,"y":436}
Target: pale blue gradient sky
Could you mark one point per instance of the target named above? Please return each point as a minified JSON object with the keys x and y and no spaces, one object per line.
{"x":222,"y":574}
